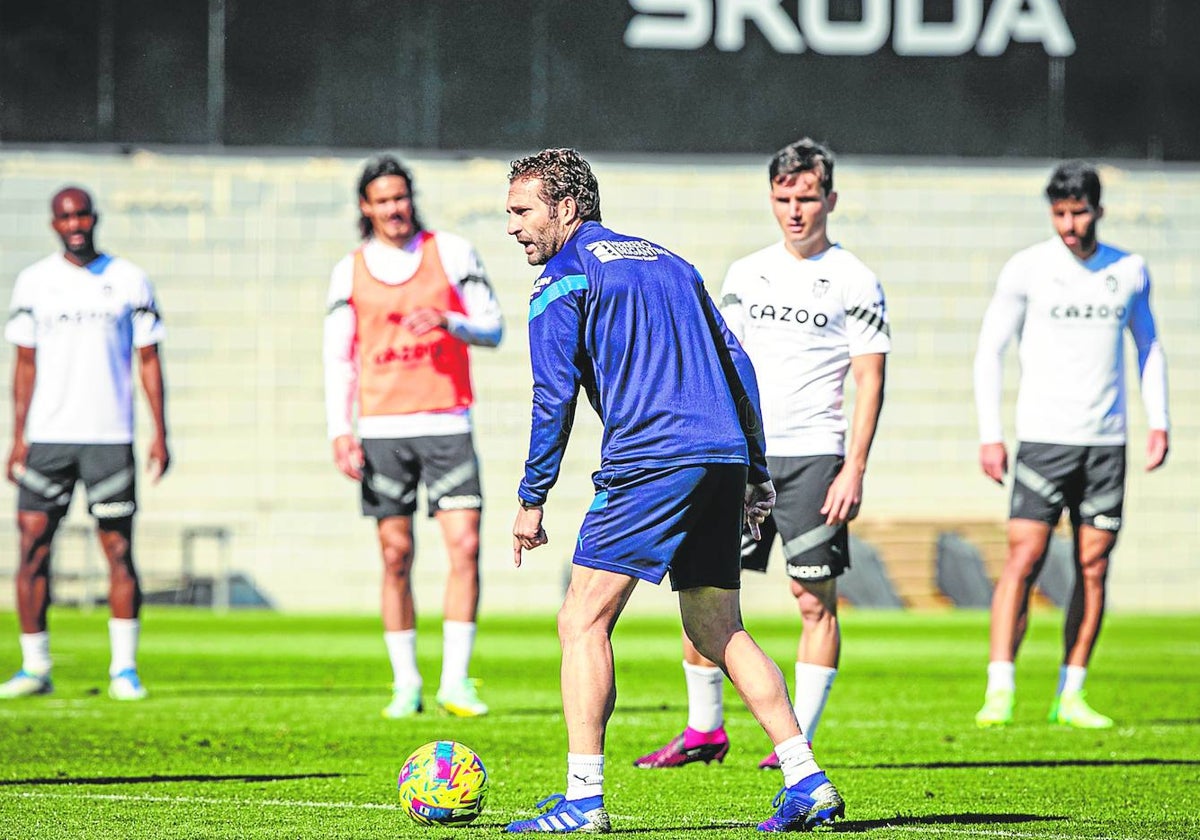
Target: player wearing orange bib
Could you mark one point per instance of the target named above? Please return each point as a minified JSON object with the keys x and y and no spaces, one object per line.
{"x":403,"y":308}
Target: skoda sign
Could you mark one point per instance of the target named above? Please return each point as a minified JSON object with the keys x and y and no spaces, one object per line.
{"x":691,"y":24}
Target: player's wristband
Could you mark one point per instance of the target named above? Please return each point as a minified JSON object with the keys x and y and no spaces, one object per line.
{"x":527,"y":505}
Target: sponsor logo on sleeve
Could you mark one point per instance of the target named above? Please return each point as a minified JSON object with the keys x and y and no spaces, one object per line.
{"x":636,"y":249}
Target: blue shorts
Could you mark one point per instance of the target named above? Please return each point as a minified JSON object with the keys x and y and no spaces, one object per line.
{"x":682,"y":521}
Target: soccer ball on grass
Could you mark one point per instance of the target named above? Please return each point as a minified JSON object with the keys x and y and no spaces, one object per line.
{"x":442,"y":783}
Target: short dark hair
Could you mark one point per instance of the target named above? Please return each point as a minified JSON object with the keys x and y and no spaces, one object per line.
{"x":1074,"y":179}
{"x":381,"y":167}
{"x":563,"y":173}
{"x":805,"y":155}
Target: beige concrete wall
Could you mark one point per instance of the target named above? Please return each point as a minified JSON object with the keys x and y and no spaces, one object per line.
{"x":240,"y":250}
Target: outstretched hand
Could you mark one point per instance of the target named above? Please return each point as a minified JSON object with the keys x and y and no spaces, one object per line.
{"x":759,"y":500}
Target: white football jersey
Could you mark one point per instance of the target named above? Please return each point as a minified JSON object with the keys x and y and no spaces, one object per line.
{"x":801,"y":321}
{"x":84,"y":323}
{"x":1069,"y":318}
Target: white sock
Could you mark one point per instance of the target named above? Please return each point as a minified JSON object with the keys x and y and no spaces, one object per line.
{"x":705,"y":690}
{"x":35,"y":653}
{"x":796,"y":759}
{"x":1002,"y":675}
{"x":402,"y":651}
{"x":123,"y":639}
{"x":585,"y":775}
{"x":458,"y":638}
{"x":1070,"y":678}
{"x":812,"y":690}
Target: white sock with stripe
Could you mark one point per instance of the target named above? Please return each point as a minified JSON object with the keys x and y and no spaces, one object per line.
{"x":585,"y":776}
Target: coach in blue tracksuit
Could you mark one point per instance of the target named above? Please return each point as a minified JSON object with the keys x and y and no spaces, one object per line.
{"x":681,"y":464}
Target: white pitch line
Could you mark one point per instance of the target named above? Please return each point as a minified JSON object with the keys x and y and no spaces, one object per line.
{"x":375,"y":806}
{"x":987,"y":832}
{"x":202,"y":800}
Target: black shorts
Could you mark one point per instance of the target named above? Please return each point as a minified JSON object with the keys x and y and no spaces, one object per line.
{"x":813,"y":550}
{"x":107,"y":470}
{"x":1088,"y":481}
{"x":445,"y":464}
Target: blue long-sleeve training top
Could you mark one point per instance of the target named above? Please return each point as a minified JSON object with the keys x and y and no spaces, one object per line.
{"x":632,"y":324}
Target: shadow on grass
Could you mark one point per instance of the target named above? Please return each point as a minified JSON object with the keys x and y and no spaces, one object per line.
{"x":198,"y":777}
{"x":859,"y":826}
{"x":843,"y":826}
{"x":1065,"y":762}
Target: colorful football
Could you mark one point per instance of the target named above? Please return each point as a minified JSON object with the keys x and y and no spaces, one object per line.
{"x":442,"y":783}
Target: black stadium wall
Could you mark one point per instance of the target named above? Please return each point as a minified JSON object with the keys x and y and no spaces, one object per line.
{"x":965,"y":78}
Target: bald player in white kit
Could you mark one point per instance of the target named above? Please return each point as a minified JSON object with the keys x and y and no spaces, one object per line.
{"x":78,"y":318}
{"x":1068,"y":301}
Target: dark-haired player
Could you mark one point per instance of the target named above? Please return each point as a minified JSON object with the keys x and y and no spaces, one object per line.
{"x":403,"y":308}
{"x":807,"y":312}
{"x":1069,"y":301}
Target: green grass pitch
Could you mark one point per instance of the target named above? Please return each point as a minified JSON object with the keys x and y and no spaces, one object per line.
{"x":268,"y":726}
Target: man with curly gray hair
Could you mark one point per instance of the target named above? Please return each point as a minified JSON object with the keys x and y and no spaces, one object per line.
{"x":681,"y":468}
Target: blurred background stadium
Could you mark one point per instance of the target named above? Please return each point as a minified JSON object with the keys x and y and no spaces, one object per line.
{"x":222,"y":141}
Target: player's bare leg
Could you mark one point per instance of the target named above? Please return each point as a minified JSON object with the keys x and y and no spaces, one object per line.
{"x":399,"y":615}
{"x":32,"y":584}
{"x":712,"y":620}
{"x":124,"y":588}
{"x":817,"y":655}
{"x":33,"y":573}
{"x":396,"y":545}
{"x":1027,"y":542}
{"x":125,"y":603}
{"x":704,"y":738}
{"x":589,"y":612}
{"x":460,"y":529}
{"x":593,"y":603}
{"x":456,"y":692}
{"x":821,"y":639}
{"x":1086,"y":611}
{"x":1081,"y":629}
